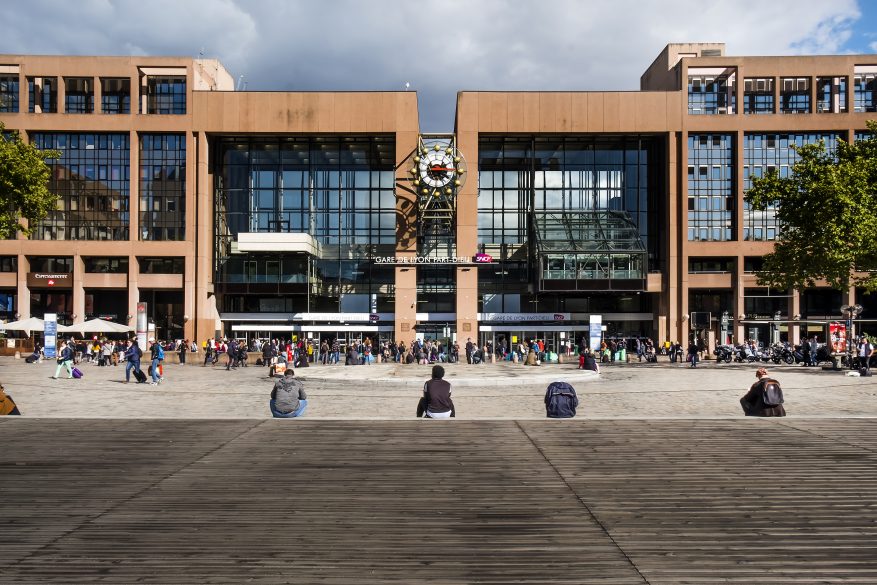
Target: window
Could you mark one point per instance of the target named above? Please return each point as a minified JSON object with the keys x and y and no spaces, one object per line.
{"x":711,"y":193}
{"x":51,"y":264}
{"x":166,"y":95}
{"x":92,"y":180}
{"x":758,"y":95}
{"x":831,"y":95}
{"x":865,"y":89}
{"x":42,"y":95}
{"x":115,"y":96}
{"x":9,"y":93}
{"x":79,"y":95}
{"x":108,"y":265}
{"x":161,"y":265}
{"x":765,"y":153}
{"x":8,"y":263}
{"x":711,"y":91}
{"x":752,"y":264}
{"x":162,"y":187}
{"x":795,"y":95}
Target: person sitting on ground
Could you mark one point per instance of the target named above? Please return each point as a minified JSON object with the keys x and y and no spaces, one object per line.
{"x":589,"y":362}
{"x":7,"y":404}
{"x":561,"y":400}
{"x":765,"y":397}
{"x":531,"y":357}
{"x":436,"y":400}
{"x":288,"y":397}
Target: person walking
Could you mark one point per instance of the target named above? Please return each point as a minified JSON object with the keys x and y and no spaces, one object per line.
{"x":692,"y":353}
{"x":65,"y":360}
{"x":765,"y":397}
{"x":157,"y":356}
{"x":132,"y":359}
{"x":232,"y":352}
{"x":183,"y":349}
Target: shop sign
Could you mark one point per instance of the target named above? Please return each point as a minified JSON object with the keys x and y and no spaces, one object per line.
{"x":50,"y":280}
{"x":453,"y":260}
{"x":518,"y":317}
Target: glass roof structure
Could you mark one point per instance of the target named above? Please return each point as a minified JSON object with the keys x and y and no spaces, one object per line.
{"x":568,"y":232}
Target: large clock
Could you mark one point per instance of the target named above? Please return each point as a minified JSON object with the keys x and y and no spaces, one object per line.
{"x":439,"y":168}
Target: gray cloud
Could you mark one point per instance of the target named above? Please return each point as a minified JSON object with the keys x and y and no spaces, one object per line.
{"x":439,"y":48}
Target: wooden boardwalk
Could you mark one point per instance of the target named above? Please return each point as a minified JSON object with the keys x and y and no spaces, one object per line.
{"x":574,"y":502}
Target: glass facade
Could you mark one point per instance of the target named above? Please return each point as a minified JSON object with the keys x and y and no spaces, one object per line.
{"x":9,"y":94}
{"x":92,"y":181}
{"x":865,"y":92}
{"x":831,"y":94}
{"x":338,"y":190}
{"x":711,"y":192}
{"x":795,"y":95}
{"x":758,"y":95}
{"x":710,"y":92}
{"x":762,"y":154}
{"x":166,"y":95}
{"x":78,"y":95}
{"x":162,"y":187}
{"x":115,"y":96}
{"x":42,"y":92}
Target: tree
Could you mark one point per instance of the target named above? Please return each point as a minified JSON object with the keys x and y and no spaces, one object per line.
{"x":827,"y":213}
{"x":24,"y":184}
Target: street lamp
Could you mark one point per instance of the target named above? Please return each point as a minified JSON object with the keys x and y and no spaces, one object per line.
{"x":776,"y":327}
{"x":850,"y":312}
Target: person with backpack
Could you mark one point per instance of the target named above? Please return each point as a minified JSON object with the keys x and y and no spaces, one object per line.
{"x":765,"y":397}
{"x":288,"y":397}
{"x":561,"y":400}
{"x":157,"y":355}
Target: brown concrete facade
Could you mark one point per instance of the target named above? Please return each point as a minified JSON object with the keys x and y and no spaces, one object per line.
{"x":215,"y":109}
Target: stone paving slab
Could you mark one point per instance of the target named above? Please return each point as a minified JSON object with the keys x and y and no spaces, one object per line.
{"x":387,"y":391}
{"x":747,"y":501}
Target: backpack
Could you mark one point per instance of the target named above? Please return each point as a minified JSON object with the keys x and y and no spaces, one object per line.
{"x":139,"y":352}
{"x":560,"y":400}
{"x":771,"y":393}
{"x":159,"y":352}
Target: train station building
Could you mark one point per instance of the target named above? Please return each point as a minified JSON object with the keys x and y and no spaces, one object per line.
{"x":330,"y":215}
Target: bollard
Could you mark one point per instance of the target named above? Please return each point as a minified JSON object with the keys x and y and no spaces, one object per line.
{"x":18,"y":355}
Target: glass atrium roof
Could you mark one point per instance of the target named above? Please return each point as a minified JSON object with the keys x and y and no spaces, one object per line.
{"x":586,"y":231}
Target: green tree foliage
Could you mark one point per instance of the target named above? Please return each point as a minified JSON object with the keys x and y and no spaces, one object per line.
{"x":827,"y":211}
{"x":24,"y":184}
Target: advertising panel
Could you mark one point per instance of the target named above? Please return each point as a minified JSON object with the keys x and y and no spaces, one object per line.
{"x":595,"y":331}
{"x":838,"y":333}
{"x":141,"y":327}
{"x":50,"y":334}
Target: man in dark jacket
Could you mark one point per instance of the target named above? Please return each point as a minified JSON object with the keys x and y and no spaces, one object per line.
{"x":436,"y":401}
{"x":753,"y":403}
{"x":232,"y":355}
{"x":288,"y":397}
{"x":560,"y":400}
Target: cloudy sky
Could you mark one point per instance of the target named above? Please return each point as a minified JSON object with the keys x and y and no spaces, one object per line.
{"x":438,"y":48}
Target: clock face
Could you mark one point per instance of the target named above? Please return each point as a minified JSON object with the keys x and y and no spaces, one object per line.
{"x":437,"y":169}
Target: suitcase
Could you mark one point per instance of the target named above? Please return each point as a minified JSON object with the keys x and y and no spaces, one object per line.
{"x":77,"y":373}
{"x":140,"y":376}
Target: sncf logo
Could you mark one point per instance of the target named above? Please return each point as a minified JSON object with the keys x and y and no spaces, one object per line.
{"x":558,"y":316}
{"x":483,"y":258}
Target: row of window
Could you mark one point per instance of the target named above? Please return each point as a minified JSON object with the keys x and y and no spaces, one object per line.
{"x":164,"y":95}
{"x":710,"y":92}
{"x":95,"y":264}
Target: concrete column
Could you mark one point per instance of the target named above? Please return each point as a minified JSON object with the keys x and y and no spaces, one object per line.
{"x":668,"y":320}
{"x":143,"y":93}
{"x":98,"y":95}
{"x":199,"y":199}
{"x":777,"y":107}
{"x":23,"y":292}
{"x":467,"y":240}
{"x":406,"y":237}
{"x":78,"y":290}
{"x":794,"y":309}
{"x":62,"y":95}
{"x":133,"y":290}
{"x":739,"y":186}
{"x":680,"y":260}
{"x":739,"y":306}
{"x":190,"y":284}
{"x":134,"y":188}
{"x":812,"y":94}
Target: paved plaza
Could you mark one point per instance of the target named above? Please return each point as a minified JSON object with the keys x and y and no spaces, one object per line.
{"x":390,"y":391}
{"x":660,"y":480}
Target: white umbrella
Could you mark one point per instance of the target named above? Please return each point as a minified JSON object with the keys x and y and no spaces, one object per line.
{"x":99,"y":326}
{"x":29,"y":324}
